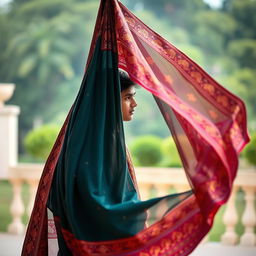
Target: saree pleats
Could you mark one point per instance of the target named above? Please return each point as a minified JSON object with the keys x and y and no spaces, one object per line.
{"x":87,"y":201}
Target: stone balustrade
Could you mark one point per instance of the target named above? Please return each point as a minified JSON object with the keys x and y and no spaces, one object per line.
{"x":152,"y":182}
{"x":20,"y":174}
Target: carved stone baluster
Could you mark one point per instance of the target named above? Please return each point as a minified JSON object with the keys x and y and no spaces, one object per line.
{"x":145,"y":190}
{"x":163,"y":207}
{"x":249,"y":218}
{"x":163,"y":189}
{"x":17,"y":208}
{"x":230,"y":219}
{"x":32,"y":191}
{"x":182,"y":188}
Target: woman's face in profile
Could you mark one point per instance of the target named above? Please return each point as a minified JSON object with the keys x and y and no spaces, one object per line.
{"x":128,"y":103}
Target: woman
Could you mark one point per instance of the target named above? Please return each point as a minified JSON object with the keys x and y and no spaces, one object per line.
{"x":87,"y":183}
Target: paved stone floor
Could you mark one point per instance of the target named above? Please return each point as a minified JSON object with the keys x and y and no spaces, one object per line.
{"x":216,"y":249}
{"x":10,"y":245}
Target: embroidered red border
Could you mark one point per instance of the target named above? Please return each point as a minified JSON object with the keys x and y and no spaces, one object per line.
{"x":177,"y":228}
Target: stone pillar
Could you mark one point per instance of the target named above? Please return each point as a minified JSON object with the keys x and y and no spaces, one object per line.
{"x":249,"y":218}
{"x":162,"y":189}
{"x":230,"y":219}
{"x":17,"y":208}
{"x":144,"y":189}
{"x":8,"y":131}
{"x":33,"y":184}
{"x":9,"y":138}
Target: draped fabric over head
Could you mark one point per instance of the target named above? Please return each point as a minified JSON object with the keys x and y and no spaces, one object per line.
{"x":87,"y":202}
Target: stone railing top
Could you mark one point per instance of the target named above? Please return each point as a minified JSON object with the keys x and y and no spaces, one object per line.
{"x":246,"y":178}
{"x":151,"y":175}
{"x":9,"y":110}
{"x":26,"y":171}
{"x":158,"y":175}
{"x":177,"y":176}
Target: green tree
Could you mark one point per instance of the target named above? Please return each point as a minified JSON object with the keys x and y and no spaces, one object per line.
{"x":179,"y":12}
{"x":171,"y":157}
{"x":244,"y":13}
{"x":45,"y":44}
{"x":146,"y":150}
{"x":244,"y":52}
{"x":44,"y":54}
{"x":210,"y":35}
{"x":39,"y":142}
{"x":242,"y":83}
{"x":250,"y":151}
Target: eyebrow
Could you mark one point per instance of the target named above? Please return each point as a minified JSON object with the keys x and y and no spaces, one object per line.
{"x":129,"y":94}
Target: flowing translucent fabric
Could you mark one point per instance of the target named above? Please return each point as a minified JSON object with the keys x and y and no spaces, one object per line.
{"x":87,"y":201}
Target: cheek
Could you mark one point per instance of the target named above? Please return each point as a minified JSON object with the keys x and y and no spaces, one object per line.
{"x":125,"y":111}
{"x":125,"y":106}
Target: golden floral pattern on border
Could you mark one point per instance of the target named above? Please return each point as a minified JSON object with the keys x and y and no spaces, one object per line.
{"x":191,"y":71}
{"x":161,"y":245}
{"x":202,"y":81}
{"x":38,"y":223}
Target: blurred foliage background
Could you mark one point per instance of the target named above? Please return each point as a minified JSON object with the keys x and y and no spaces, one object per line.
{"x":43,"y":50}
{"x":44,"y":46}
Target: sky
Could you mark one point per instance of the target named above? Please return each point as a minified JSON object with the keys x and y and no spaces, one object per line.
{"x":3,"y":2}
{"x":213,"y":3}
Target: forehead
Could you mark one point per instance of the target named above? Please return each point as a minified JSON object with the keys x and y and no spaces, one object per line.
{"x":131,"y":90}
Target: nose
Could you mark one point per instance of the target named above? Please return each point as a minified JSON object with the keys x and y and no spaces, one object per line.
{"x":134,"y":103}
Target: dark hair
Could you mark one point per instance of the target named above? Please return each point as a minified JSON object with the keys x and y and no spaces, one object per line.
{"x":125,"y":80}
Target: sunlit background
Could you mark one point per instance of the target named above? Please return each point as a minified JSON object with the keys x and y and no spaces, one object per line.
{"x":44,"y":46}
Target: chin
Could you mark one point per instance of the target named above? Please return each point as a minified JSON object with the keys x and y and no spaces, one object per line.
{"x":130,"y":118}
{"x":127,"y":119}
